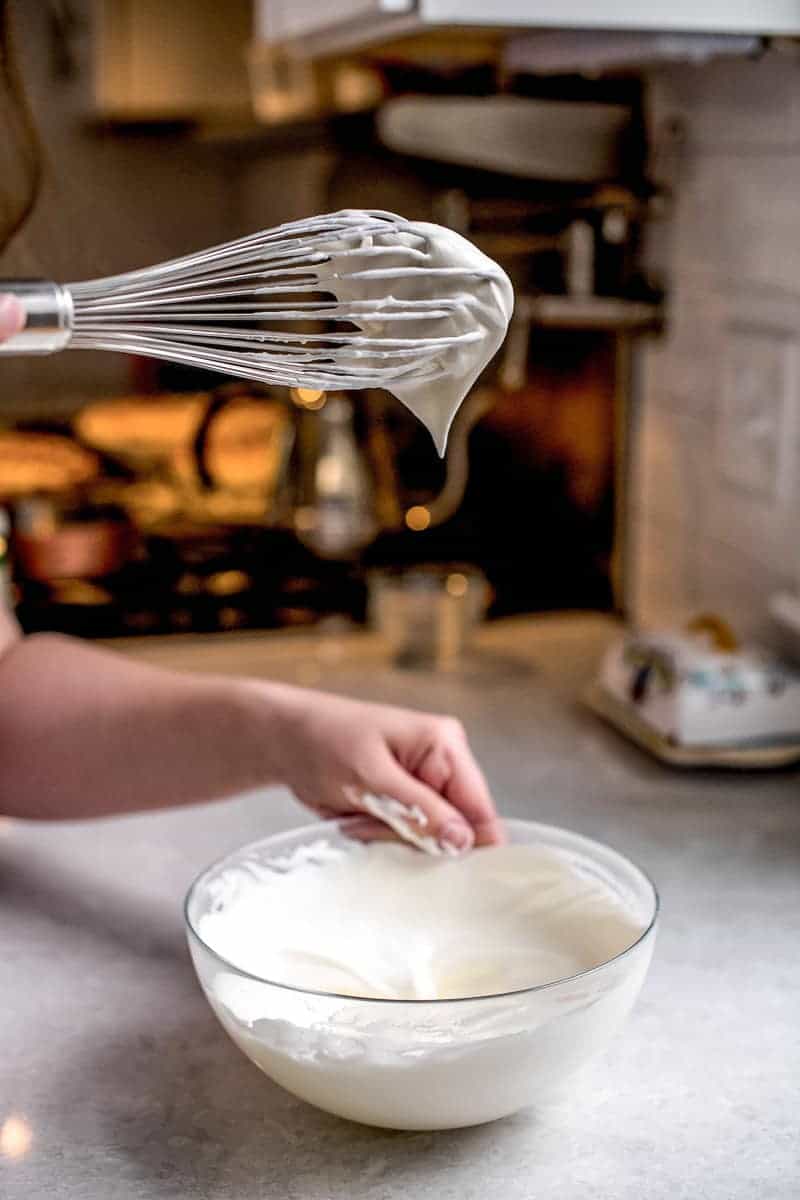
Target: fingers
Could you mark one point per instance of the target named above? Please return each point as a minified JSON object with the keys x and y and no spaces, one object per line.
{"x":467,"y":790}
{"x":429,"y":813}
{"x":413,"y":771}
{"x":369,"y":829}
{"x":12,"y":316}
{"x":359,"y":827}
{"x":449,"y":767}
{"x":387,"y":818}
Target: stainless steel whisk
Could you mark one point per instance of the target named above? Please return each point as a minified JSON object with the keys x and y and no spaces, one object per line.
{"x":277,"y":307}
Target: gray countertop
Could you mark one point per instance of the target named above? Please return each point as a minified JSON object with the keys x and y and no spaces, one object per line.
{"x":114,"y":1068}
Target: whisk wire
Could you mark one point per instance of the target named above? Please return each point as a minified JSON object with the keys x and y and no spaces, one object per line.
{"x":348,"y":300}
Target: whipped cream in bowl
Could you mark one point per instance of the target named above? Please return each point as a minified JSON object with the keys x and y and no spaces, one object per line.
{"x":411,"y":992}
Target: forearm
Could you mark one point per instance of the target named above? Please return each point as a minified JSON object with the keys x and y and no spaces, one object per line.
{"x":84,"y":732}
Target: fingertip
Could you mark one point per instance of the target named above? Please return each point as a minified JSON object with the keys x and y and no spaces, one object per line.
{"x":456,"y":837}
{"x":12,"y":316}
{"x":426,"y":817}
{"x":490,"y":833}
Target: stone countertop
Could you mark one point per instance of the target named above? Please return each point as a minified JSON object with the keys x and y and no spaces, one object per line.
{"x":115,"y":1071}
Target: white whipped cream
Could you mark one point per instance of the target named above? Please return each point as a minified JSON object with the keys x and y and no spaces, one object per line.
{"x":385,"y":921}
{"x":408,"y":823}
{"x":417,"y":261}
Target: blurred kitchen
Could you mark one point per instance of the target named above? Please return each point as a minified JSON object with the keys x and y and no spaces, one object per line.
{"x":150,"y":498}
{"x":613,"y":533}
{"x":625,"y":450}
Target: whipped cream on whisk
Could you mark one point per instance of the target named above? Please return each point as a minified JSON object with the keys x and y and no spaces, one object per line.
{"x":430,"y":282}
{"x":351,"y":300}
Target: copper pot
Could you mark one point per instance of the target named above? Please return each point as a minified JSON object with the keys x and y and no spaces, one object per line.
{"x":52,"y":543}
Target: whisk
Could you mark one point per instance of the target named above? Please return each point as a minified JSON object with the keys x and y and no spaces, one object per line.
{"x":345,"y":301}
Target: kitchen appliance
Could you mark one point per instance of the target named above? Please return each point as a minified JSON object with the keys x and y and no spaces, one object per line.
{"x":70,"y":538}
{"x":251,"y":507}
{"x":205,"y":456}
{"x":416,"y":1064}
{"x":252,"y":308}
{"x":56,"y":530}
{"x":34,"y":463}
{"x":696,"y":697}
{"x":312,"y":463}
{"x":334,"y":513}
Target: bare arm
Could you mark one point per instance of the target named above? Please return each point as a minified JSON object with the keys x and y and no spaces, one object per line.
{"x":85,"y":732}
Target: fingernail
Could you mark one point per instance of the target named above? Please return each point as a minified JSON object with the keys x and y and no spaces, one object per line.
{"x":490,"y":833}
{"x":455,"y":838}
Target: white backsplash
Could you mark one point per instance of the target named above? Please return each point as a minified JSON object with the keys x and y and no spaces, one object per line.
{"x":715,"y":498}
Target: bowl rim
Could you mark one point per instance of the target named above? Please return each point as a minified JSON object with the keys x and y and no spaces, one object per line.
{"x":340,"y":824}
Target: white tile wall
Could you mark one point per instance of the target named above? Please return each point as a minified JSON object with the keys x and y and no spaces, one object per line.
{"x":715,"y":510}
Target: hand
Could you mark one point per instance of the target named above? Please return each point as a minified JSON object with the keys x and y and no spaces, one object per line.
{"x":12,"y":316}
{"x":336,"y":751}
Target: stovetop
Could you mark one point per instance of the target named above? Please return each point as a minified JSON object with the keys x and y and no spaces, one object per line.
{"x":225,"y":580}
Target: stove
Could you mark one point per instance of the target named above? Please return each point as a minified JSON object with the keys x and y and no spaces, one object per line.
{"x":213,"y":580}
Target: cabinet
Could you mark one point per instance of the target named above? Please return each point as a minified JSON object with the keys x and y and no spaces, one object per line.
{"x":319,"y":27}
{"x":182,"y":60}
{"x":285,"y":20}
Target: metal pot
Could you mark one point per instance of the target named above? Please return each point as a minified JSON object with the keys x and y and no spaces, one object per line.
{"x":53,"y":540}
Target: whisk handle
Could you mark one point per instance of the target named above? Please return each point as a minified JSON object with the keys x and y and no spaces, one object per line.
{"x":48,"y":323}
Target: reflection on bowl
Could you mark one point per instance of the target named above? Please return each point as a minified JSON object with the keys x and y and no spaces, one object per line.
{"x":422,"y":1064}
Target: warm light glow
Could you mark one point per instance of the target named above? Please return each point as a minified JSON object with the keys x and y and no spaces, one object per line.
{"x":305,"y":519}
{"x":231,"y":618}
{"x":308,"y":398}
{"x":227,"y":583}
{"x":418,"y":518}
{"x":189,"y":585}
{"x":16,"y":1137}
{"x":456,"y":584}
{"x":356,"y":87}
{"x":6,"y":826}
{"x":330,"y":475}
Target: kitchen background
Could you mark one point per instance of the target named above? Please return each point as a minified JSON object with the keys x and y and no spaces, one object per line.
{"x":634,"y":450}
{"x":641,"y":454}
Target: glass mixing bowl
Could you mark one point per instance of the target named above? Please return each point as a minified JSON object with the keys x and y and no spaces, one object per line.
{"x":421,"y":1064}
